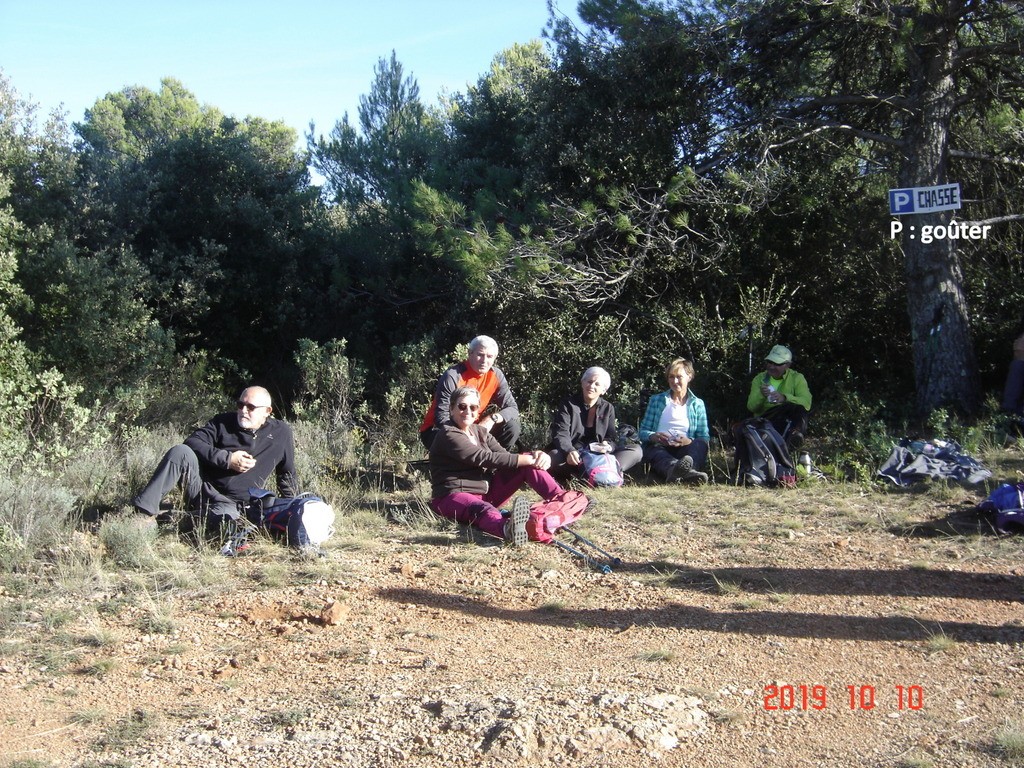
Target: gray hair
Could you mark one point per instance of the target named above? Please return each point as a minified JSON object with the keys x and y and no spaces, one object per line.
{"x":462,"y":393}
{"x":607,"y":377}
{"x":484,"y":341}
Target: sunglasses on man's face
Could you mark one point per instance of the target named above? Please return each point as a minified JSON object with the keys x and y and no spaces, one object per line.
{"x":244,"y":406}
{"x":468,"y":407}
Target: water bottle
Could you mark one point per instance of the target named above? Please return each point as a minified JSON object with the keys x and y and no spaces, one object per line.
{"x":805,"y":463}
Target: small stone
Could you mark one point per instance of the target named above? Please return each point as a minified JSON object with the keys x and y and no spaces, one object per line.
{"x":223,"y":672}
{"x":334,"y":613}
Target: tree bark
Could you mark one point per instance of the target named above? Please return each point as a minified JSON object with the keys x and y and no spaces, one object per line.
{"x":945,"y":370}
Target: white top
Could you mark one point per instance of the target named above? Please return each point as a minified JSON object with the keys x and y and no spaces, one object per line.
{"x":674,"y":419}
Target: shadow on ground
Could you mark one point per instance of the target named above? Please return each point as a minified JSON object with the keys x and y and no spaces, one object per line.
{"x":965,"y":521}
{"x":876,"y":582}
{"x":747,"y":622}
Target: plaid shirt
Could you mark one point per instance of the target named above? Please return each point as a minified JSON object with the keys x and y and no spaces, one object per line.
{"x":695,"y":413}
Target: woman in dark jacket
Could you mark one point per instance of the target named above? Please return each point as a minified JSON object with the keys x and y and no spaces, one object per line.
{"x":586,"y":421}
{"x":472,"y":475}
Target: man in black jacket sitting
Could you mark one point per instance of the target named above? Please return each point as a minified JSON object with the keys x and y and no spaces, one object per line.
{"x":219,"y":462}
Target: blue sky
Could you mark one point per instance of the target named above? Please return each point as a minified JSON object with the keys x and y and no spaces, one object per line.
{"x":277,"y":60}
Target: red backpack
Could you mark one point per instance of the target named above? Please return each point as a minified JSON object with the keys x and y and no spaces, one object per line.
{"x":548,"y":517}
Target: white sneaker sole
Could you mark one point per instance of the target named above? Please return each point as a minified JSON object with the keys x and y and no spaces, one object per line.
{"x":520,"y":514}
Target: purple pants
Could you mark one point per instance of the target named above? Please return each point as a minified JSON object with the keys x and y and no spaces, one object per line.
{"x":482,"y":511}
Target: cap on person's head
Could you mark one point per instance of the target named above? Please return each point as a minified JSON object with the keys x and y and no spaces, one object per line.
{"x":779,"y":355}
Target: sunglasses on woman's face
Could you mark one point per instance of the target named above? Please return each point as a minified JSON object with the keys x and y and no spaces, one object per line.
{"x":468,"y":407}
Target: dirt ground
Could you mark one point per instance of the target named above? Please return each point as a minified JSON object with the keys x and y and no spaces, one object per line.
{"x":744,"y":627}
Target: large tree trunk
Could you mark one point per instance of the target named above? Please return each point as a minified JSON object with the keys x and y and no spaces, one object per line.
{"x":945,"y":371}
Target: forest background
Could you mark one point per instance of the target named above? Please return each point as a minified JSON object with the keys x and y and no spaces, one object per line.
{"x":669,"y":179}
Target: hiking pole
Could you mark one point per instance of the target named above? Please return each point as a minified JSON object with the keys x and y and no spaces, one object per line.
{"x":602,"y":567}
{"x":612,"y":559}
{"x":237,"y":536}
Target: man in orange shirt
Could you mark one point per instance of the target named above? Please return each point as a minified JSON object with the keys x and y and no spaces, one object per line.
{"x":478,"y":372}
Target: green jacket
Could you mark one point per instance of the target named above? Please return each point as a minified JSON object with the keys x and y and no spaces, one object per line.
{"x":793,"y":385}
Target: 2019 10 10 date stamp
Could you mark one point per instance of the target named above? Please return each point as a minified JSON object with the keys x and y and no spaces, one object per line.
{"x":784,"y":698}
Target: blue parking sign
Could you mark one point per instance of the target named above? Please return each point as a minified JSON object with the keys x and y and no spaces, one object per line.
{"x":901,"y":201}
{"x":925,"y":199}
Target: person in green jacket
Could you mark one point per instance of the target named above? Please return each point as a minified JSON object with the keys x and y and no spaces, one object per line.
{"x":781,"y":395}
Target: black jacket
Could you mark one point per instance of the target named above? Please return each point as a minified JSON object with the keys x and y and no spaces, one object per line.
{"x":568,"y":426}
{"x":272,"y":445}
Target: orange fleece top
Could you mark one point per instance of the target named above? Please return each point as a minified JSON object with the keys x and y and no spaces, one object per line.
{"x":462,"y":375}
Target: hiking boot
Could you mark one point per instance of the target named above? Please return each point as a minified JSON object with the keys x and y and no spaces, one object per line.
{"x":683,"y":472}
{"x":691,"y":476}
{"x":678,"y":469}
{"x":515,"y":524}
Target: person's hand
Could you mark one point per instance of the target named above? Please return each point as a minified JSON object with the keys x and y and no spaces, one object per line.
{"x":541,"y":460}
{"x":241,"y":461}
{"x":573,"y":459}
{"x":766,"y":390}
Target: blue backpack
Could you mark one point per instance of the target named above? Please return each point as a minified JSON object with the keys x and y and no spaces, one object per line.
{"x":601,"y":470}
{"x":303,"y":521}
{"x":1006,"y":503}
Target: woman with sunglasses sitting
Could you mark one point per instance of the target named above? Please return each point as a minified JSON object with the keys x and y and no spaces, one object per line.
{"x":472,"y":475}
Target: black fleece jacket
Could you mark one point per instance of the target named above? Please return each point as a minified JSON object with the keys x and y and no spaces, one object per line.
{"x":272,"y":445}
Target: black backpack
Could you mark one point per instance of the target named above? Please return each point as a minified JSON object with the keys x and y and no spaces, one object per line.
{"x":761,"y":455}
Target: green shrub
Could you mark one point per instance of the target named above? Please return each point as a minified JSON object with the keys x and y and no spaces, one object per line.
{"x":327,"y":384}
{"x":326,"y":439}
{"x":36,"y":514}
{"x":388,"y":421}
{"x":128,"y":543}
{"x":851,"y":436}
{"x":184,"y":393}
{"x":44,"y":425}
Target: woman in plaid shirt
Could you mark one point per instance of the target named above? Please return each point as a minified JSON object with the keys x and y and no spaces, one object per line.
{"x":674,"y":430}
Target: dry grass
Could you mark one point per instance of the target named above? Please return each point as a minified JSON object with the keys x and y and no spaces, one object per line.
{"x":940,"y":642}
{"x":695,"y":542}
{"x":127,"y":730}
{"x":916,"y":762}
{"x":726,"y":587}
{"x":657,"y":655}
{"x":1009,"y":741}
